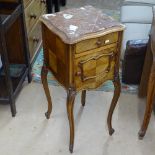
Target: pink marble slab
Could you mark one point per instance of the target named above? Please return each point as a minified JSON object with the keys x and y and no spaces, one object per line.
{"x":76,"y":24}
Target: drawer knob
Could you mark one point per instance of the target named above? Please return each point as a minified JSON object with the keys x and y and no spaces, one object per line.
{"x":107,"y":41}
{"x":33,"y":16}
{"x":43,"y":1}
{"x":35,"y":39}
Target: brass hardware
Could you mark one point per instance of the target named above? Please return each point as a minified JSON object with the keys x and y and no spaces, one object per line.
{"x":33,"y":16}
{"x":107,"y":41}
{"x":99,"y":42}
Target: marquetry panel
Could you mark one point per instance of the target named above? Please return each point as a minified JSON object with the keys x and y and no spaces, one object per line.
{"x":52,"y":61}
{"x":92,"y":70}
{"x":57,"y":58}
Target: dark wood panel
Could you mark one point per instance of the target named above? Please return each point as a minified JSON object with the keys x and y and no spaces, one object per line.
{"x":14,"y":41}
{"x":14,"y":50}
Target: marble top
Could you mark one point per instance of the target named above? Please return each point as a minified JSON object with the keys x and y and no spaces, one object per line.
{"x":73,"y":25}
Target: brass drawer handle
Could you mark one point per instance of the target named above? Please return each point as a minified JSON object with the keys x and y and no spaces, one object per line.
{"x":43,"y":1}
{"x":99,"y":43}
{"x":107,"y":41}
{"x":33,"y":16}
{"x":35,"y":39}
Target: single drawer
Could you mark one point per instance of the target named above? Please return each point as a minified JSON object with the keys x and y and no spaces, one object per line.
{"x":33,"y":12}
{"x":96,"y":42}
{"x":34,"y":39}
{"x":92,"y":70}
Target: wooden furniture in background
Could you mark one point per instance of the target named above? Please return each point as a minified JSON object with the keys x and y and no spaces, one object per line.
{"x":56,"y":4}
{"x":146,"y":72}
{"x":51,"y":4}
{"x":142,"y":91}
{"x":13,"y":51}
{"x":81,"y":57}
{"x":151,"y":84}
{"x":33,"y":10}
{"x":63,"y":2}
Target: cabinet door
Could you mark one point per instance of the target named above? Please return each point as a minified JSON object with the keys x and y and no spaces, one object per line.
{"x":93,"y":69}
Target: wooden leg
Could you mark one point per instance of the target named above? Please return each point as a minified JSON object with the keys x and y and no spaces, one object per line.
{"x":149,"y":106}
{"x":29,"y":77}
{"x":13,"y":107}
{"x":83,"y":97}
{"x":146,"y":71}
{"x":117,"y":91}
{"x":70,"y":105}
{"x":44,"y":72}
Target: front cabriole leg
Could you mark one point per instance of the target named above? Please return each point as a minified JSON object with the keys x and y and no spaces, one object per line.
{"x":44,"y":72}
{"x":83,"y":97}
{"x":71,"y":93}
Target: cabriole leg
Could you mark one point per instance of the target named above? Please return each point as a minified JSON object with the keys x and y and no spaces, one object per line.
{"x":83,"y":97}
{"x":117,"y":91}
{"x":29,"y":76}
{"x":44,"y":72}
{"x":13,"y":107}
{"x":70,"y":105}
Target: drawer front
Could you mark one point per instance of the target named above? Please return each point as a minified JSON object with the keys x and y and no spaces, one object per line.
{"x":96,"y":42}
{"x":33,"y":12}
{"x":34,"y":39}
{"x":92,"y":70}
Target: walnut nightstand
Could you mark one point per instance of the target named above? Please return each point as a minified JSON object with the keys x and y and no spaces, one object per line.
{"x":82,"y":50}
